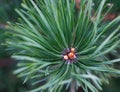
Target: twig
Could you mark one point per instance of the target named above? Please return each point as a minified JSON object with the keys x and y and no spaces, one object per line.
{"x":72,"y":87}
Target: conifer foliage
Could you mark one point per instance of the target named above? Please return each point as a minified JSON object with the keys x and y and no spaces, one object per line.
{"x":57,"y":46}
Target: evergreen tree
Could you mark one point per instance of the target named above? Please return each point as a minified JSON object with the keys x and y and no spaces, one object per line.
{"x":57,"y":46}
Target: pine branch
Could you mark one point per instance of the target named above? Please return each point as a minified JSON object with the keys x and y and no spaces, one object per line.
{"x":54,"y":44}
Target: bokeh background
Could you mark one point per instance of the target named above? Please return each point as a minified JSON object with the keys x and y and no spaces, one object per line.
{"x":8,"y":81}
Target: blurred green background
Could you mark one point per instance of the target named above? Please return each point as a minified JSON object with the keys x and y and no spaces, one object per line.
{"x":8,"y":81}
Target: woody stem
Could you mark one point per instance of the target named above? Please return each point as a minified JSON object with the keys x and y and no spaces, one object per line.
{"x":72,"y":87}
